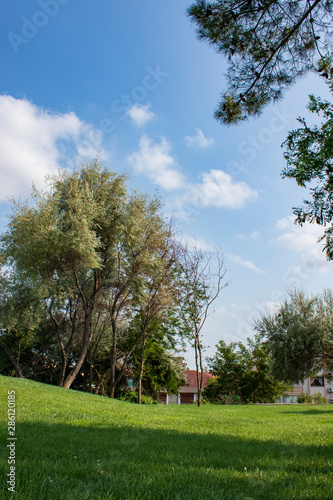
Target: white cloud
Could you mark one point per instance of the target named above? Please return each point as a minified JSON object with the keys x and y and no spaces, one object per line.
{"x":253,"y":236}
{"x":198,"y":243}
{"x":33,"y":141}
{"x":216,"y":189}
{"x":140,"y":114}
{"x":206,"y":246}
{"x":241,"y":318}
{"x":243,"y":310}
{"x":245,"y":263}
{"x":304,"y":241}
{"x":155,"y":161}
{"x":220,"y":190}
{"x":199,"y":140}
{"x":297,"y":238}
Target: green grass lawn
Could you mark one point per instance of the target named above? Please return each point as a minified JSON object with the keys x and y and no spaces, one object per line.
{"x":72,"y":445}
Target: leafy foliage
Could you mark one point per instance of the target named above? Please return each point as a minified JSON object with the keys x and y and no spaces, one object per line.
{"x":83,"y":259}
{"x":268,"y":44}
{"x":309,"y":158}
{"x":162,"y":370}
{"x":316,"y":398}
{"x":299,"y":336}
{"x":132,"y":397}
{"x":243,"y":374}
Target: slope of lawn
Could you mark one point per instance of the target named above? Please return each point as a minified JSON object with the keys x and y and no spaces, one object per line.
{"x":72,"y":445}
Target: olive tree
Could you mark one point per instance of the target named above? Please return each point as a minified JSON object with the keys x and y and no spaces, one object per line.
{"x":88,"y":246}
{"x":299,"y":335}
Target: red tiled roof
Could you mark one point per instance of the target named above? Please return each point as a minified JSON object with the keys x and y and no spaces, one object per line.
{"x":191,"y":377}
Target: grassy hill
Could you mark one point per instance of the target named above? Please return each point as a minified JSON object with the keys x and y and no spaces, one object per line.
{"x":76,"y":446}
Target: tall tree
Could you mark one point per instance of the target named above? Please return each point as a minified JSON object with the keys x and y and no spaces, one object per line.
{"x":268,"y":44}
{"x":141,"y":277}
{"x":157,"y":299}
{"x":61,"y":244}
{"x":309,"y":155}
{"x":201,"y":281}
{"x":299,"y":335}
{"x":96,"y":255}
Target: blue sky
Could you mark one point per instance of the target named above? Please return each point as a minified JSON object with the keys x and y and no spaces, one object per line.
{"x":130,"y":81}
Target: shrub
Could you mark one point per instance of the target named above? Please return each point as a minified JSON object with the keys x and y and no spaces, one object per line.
{"x":132,"y":397}
{"x":304,"y":398}
{"x":219,"y":399}
{"x":233,"y":399}
{"x":317,"y":398}
{"x":204,"y":401}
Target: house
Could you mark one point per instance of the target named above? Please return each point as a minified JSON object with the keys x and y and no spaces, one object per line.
{"x":310,"y":386}
{"x":188,"y":393}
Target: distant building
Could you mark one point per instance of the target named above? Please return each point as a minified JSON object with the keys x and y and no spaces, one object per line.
{"x":310,"y":386}
{"x":188,"y":393}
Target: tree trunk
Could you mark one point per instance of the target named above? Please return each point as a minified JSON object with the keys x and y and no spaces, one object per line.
{"x":18,"y":370}
{"x":99,"y":382}
{"x":141,"y":369}
{"x":63,"y":350}
{"x":201,"y":369}
{"x":90,"y":371}
{"x":87,"y":336}
{"x":121,"y":372}
{"x":99,"y":378}
{"x":197,"y":369}
{"x":113,"y":360}
{"x":73,"y":374}
{"x":62,"y":371}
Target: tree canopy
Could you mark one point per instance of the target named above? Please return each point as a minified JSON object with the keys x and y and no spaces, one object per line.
{"x":81,"y":262}
{"x":309,"y":155}
{"x":268,"y":44}
{"x":299,"y":336}
{"x":243,"y":373}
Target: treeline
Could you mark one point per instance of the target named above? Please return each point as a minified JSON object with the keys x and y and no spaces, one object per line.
{"x":97,"y":289}
{"x":93,"y":281}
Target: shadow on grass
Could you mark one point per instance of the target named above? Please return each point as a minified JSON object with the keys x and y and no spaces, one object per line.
{"x":309,"y":412}
{"x":70,"y":462}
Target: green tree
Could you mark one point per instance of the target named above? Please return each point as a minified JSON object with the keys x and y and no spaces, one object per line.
{"x":62,"y":244}
{"x":299,"y":336}
{"x":162,"y":370}
{"x":309,"y":155}
{"x":153,"y":333}
{"x":144,"y":257}
{"x":242,"y":372}
{"x":268,"y":44}
{"x":91,"y":250}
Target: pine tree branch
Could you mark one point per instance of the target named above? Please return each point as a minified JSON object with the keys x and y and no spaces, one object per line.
{"x":282,"y":44}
